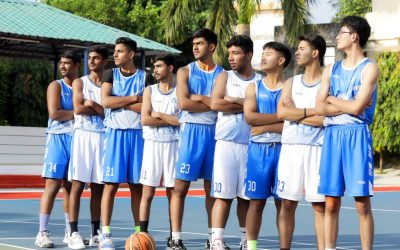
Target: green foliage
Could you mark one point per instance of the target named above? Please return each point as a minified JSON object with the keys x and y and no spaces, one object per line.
{"x":352,"y":8}
{"x":23,"y":85}
{"x":140,"y":17}
{"x":386,"y":126}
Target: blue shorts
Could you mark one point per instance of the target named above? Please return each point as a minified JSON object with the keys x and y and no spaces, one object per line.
{"x":262,"y":165}
{"x":347,"y":161}
{"x":123,"y":154}
{"x":195,"y":152}
{"x":56,"y":156}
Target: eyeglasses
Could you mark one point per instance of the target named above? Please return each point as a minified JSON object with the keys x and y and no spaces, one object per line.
{"x":342,"y":32}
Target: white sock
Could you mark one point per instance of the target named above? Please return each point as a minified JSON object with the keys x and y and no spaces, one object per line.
{"x":243,"y":234}
{"x":210,"y":235}
{"x":176,"y":235}
{"x":217,"y":233}
{"x":67,"y":226}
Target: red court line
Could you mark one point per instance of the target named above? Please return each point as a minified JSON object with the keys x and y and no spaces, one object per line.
{"x":86,"y":194}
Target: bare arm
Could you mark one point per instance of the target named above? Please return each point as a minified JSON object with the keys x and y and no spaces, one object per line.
{"x":53,"y":104}
{"x":322,"y":107}
{"x":147,"y":119}
{"x":218,"y":103}
{"x":272,"y":128}
{"x":114,"y":102}
{"x":250,"y":110}
{"x":95,"y":106}
{"x":182,"y":92}
{"x":135,"y":107}
{"x":316,"y":121}
{"x":77,"y":98}
{"x":169,"y":119}
{"x":201,"y":98}
{"x":363,"y":97}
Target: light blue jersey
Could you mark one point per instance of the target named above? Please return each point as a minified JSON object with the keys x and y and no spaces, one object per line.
{"x":62,"y":127}
{"x":125,"y":86}
{"x":230,"y":126}
{"x":200,"y":83}
{"x":344,"y":84}
{"x":267,"y":103}
{"x":93,"y":123}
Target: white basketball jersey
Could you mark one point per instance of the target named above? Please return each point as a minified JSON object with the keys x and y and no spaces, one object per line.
{"x":166,"y":103}
{"x":233,"y":127}
{"x":92,"y":123}
{"x":304,"y":96}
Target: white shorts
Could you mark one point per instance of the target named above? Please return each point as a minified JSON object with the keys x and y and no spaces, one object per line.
{"x":87,"y":152}
{"x":298,"y":170}
{"x":229,"y":171}
{"x":158,"y":165}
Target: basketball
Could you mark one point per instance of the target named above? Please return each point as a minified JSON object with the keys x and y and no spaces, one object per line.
{"x":140,"y":241}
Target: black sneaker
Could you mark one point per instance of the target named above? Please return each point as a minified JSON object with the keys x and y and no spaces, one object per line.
{"x":207,"y":246}
{"x":169,"y":243}
{"x":177,"y":245}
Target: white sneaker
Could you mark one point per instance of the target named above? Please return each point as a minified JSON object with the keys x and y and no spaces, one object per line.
{"x":219,"y":244}
{"x":75,"y":241}
{"x":43,"y":240}
{"x":105,"y":242}
{"x":66,"y":237}
{"x":94,"y":240}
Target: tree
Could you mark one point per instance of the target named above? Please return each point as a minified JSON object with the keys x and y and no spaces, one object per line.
{"x":351,"y":8}
{"x":386,"y":126}
{"x":224,"y":15}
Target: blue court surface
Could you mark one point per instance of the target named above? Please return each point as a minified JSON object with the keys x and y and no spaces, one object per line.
{"x":19,"y":224}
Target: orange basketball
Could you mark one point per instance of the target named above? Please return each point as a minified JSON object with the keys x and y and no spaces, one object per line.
{"x":140,"y":241}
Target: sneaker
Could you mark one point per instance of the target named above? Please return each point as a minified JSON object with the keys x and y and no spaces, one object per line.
{"x":76,"y":241}
{"x":43,"y":240}
{"x":207,"y":246}
{"x":105,"y":242}
{"x":169,"y":243}
{"x":219,"y":244}
{"x":66,"y":237}
{"x":94,"y":240}
{"x":243,"y":245}
{"x":177,"y":245}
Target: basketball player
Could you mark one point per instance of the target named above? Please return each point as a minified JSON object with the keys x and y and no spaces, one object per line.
{"x":160,"y":133}
{"x":87,"y":147}
{"x":260,"y":107}
{"x":347,"y":98}
{"x":302,"y":137}
{"x":121,"y":96}
{"x":58,"y":145}
{"x":196,"y":147}
{"x":232,"y":135}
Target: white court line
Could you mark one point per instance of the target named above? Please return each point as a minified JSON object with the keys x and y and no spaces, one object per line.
{"x":7,"y":245}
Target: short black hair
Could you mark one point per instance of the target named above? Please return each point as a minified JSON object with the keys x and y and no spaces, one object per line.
{"x":281,"y":48}
{"x":242,"y":41}
{"x":129,"y":43}
{"x":207,"y":34}
{"x":358,"y":25}
{"x":168,"y":59}
{"x":73,"y":55}
{"x":100,"y":49}
{"x":317,"y":42}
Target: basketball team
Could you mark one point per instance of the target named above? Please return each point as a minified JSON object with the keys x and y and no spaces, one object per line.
{"x":250,"y":136}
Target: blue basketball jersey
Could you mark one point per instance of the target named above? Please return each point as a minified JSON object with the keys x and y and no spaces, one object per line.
{"x":267,"y":103}
{"x":344,"y":84}
{"x":200,"y":83}
{"x":62,"y":127}
{"x":125,"y":86}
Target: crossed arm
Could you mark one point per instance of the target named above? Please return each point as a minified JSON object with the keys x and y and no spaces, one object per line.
{"x":53,"y":104}
{"x":220,"y":101}
{"x":330,"y":105}
{"x":133,"y":103}
{"x":288,"y":111}
{"x":152,"y":118}
{"x":82,"y":106}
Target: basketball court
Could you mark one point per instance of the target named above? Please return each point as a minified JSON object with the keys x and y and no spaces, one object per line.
{"x":19,"y":222}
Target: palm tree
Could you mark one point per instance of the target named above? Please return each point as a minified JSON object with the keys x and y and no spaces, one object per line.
{"x":224,"y":15}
